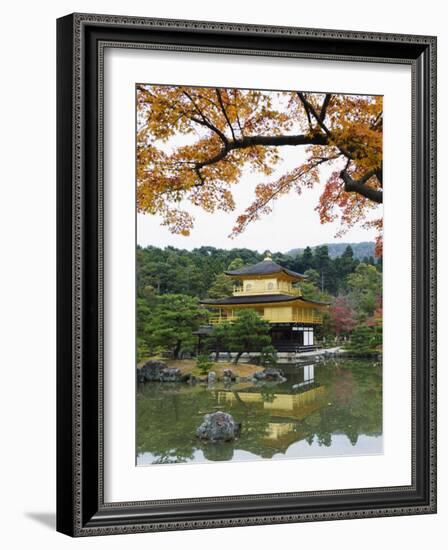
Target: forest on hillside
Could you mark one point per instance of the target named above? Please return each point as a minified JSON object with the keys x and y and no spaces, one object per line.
{"x":171,"y":281}
{"x":361,"y":250}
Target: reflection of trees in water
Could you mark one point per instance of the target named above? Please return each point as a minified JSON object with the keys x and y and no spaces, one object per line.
{"x":354,"y":402}
{"x":268,"y":392}
{"x":164,"y":418}
{"x":347,"y":400}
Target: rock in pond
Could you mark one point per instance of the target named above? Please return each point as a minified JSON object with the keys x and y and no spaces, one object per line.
{"x":170,"y":375}
{"x":218,"y":426}
{"x":227,"y":373}
{"x":151,"y":371}
{"x":188,"y":378}
{"x":269,"y":375}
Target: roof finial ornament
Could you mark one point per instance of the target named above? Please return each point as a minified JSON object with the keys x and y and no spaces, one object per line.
{"x":268,"y":257}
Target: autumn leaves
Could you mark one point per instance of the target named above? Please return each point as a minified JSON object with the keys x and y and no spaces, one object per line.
{"x":193,"y":145}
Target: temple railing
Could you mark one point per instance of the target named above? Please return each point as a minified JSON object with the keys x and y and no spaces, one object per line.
{"x":307,"y":316}
{"x":240,"y":291}
{"x":303,"y":316}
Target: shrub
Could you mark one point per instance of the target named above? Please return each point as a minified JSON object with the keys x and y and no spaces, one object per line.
{"x":268,"y":356}
{"x":362,"y":340}
{"x":204,"y":364}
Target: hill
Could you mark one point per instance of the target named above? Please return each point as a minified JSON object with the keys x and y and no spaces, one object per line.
{"x":360,"y":250}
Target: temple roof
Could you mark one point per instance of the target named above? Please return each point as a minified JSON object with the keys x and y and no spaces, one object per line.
{"x":265,"y":267}
{"x":259,"y":299}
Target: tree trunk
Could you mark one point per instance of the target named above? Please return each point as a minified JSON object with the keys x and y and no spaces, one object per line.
{"x":237,"y":358}
{"x":177,"y":349}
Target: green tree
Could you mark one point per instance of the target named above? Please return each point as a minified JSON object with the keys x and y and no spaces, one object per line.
{"x":268,"y":356}
{"x":222,"y":286}
{"x":365,"y":285}
{"x":173,"y":321}
{"x":362,"y":340}
{"x":313,"y":276}
{"x":324,"y":332}
{"x":343,"y":266}
{"x":219,"y":339}
{"x":310,"y":288}
{"x":236,"y":263}
{"x":204,"y":364}
{"x":248,"y":333}
{"x":376,"y":322}
{"x":377,"y":338}
{"x":143,"y":318}
{"x":307,"y":259}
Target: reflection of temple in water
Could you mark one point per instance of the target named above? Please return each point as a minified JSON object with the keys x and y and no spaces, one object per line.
{"x":286,"y":408}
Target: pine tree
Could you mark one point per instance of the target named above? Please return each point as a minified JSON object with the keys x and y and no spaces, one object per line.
{"x":362,"y":340}
{"x":248,"y":333}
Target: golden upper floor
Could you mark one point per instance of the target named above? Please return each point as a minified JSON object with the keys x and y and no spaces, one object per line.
{"x":265,"y":277}
{"x":271,"y":285}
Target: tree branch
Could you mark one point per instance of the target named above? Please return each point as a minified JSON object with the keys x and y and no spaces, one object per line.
{"x":308,"y":116}
{"x":320,"y":120}
{"x":323,"y":110}
{"x":358,"y":186}
{"x":379,"y":174}
{"x":253,"y":214}
{"x":141,"y":88}
{"x":377,"y":120}
{"x":237,"y":115}
{"x":266,"y":141}
{"x":312,"y":110}
{"x":205,"y":121}
{"x":223,"y":109}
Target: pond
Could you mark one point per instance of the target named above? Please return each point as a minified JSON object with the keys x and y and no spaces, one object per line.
{"x":329,"y":408}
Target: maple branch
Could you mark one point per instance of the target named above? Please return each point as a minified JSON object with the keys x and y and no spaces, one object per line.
{"x":211,"y":126}
{"x":323,"y":110}
{"x":308,"y":116}
{"x":320,"y":119}
{"x":205,"y":121}
{"x":237,"y":115}
{"x":375,"y":195}
{"x":266,"y":141}
{"x":312,"y":110}
{"x":223,"y":109}
{"x":379,"y":175}
{"x":239,"y":122}
{"x":377,"y":120}
{"x":142,"y":89}
{"x":271,"y":197}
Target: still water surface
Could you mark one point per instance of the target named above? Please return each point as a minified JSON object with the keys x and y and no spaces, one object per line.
{"x":330,"y":408}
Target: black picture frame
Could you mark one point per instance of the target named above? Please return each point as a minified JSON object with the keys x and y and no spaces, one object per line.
{"x":81,"y":510}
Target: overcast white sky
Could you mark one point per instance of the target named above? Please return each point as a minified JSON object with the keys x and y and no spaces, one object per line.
{"x":293,"y":223}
